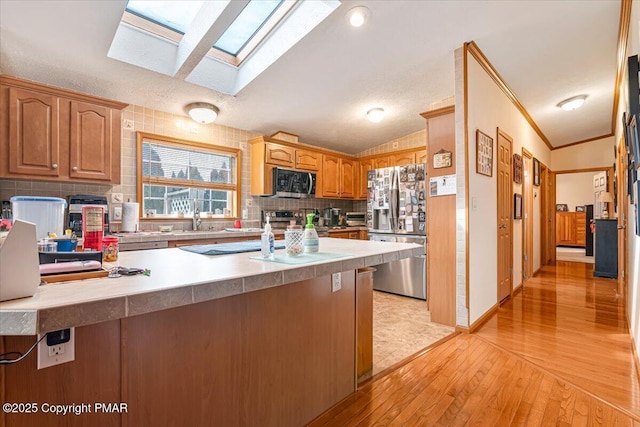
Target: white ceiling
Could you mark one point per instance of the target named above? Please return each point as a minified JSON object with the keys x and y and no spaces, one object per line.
{"x":402,"y":60}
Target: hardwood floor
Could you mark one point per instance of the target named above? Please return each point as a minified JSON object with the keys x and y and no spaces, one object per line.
{"x":558,"y":353}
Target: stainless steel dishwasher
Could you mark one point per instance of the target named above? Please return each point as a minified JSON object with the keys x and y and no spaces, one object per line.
{"x":403,"y":277}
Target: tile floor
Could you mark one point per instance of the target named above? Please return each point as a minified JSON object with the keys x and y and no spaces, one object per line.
{"x":401,"y":327}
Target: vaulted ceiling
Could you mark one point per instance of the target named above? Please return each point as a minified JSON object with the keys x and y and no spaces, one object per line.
{"x":401,"y":59}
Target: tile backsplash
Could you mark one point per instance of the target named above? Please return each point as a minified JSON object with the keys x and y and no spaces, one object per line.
{"x":158,"y":122}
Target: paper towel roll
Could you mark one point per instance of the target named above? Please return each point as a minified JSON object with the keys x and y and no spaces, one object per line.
{"x":130,"y":217}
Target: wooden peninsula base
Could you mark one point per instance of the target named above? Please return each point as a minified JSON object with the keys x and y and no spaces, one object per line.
{"x":275,"y":357}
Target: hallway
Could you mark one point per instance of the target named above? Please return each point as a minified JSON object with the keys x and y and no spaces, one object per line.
{"x":558,"y":353}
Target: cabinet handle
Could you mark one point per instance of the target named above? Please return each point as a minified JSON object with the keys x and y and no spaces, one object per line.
{"x":75,"y":169}
{"x":54,"y":166}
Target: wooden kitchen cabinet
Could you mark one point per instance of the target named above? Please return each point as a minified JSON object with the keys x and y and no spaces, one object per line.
{"x":52,"y":134}
{"x":308,"y":160}
{"x":364,"y":166}
{"x":364,"y":322}
{"x":280,"y":155}
{"x":346,"y":234}
{"x":402,"y":159}
{"x":571,"y":228}
{"x":381,"y":162}
{"x":338,"y":178}
{"x":348,"y":178}
{"x":421,"y":156}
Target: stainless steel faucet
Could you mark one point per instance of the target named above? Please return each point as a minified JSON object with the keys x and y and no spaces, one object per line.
{"x":196,"y":215}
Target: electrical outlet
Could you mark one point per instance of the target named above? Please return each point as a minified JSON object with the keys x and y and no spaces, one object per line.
{"x":336,"y":282}
{"x":245,"y":213}
{"x":395,"y":144}
{"x":249,"y":203}
{"x":50,"y":355}
{"x":127,"y":124}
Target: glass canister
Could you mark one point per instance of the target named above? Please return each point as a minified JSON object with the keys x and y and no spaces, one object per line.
{"x":293,"y":240}
{"x":110,"y":248}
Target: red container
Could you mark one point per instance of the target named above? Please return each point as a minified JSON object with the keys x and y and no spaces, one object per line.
{"x":110,"y":248}
{"x":92,"y":227}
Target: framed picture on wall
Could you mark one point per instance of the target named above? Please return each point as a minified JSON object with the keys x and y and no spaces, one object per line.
{"x":484,"y":154}
{"x":536,"y":172}
{"x":517,"y":168}
{"x":517,"y":206}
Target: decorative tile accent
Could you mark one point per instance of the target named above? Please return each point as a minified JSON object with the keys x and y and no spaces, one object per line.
{"x":262,"y":281}
{"x":216,"y":290}
{"x":159,"y":300}
{"x":81,"y":314}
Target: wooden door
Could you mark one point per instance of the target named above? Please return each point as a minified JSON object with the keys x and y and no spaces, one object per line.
{"x":364,"y":166}
{"x":381,"y":162}
{"x":330,"y":176}
{"x":527,"y":215}
{"x":348,"y":178}
{"x":402,"y":159}
{"x":308,"y":160}
{"x":505,"y":195}
{"x":551,"y":199}
{"x":600,"y":186}
{"x":90,"y":142}
{"x":34,"y":137}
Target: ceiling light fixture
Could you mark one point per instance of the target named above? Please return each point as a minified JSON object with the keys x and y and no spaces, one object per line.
{"x":375,"y":115}
{"x":202,"y":112}
{"x":572,"y":103}
{"x":357,"y":16}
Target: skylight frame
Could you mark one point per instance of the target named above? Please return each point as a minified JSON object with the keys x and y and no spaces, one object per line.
{"x":164,"y":16}
{"x":258,"y":37}
{"x":151,"y":26}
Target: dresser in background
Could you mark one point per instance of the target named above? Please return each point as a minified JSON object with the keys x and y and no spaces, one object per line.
{"x":571,"y":228}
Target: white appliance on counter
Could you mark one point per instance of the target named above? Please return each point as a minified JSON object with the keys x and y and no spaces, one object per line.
{"x":396,"y":212}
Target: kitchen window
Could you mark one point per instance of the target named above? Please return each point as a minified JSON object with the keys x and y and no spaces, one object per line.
{"x":172,"y":173}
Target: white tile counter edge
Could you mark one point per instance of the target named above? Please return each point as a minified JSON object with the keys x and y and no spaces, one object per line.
{"x":178,"y":278}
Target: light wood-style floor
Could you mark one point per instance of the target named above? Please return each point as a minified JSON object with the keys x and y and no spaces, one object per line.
{"x":558,"y":353}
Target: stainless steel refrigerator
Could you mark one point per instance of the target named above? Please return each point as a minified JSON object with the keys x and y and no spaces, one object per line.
{"x":396,"y":212}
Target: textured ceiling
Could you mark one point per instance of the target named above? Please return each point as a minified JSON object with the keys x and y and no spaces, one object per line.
{"x":402,"y":59}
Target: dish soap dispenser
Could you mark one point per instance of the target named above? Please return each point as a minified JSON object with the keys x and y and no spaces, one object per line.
{"x":267,"y":242}
{"x":310,"y":239}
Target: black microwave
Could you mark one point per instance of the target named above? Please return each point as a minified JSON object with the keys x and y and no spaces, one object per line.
{"x":293,"y":183}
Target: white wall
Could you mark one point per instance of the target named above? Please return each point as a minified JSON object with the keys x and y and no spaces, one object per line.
{"x":633,"y":241}
{"x":575,"y":189}
{"x":594,"y":154}
{"x":488,"y":108}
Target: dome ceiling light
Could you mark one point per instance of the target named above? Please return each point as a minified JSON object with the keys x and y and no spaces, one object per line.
{"x":375,"y":115}
{"x":358,"y":16}
{"x":572,"y":103}
{"x":202,"y":112}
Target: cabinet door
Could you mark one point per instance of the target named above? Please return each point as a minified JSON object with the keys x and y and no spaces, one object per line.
{"x":90,"y":142}
{"x":308,"y":160}
{"x":34,"y":137}
{"x":330,"y":176}
{"x":348,"y":178}
{"x":381,"y":162}
{"x":402,"y":159}
{"x":339,"y":234}
{"x":281,"y":155}
{"x":421,"y":156}
{"x":364,"y":166}
{"x":565,"y":228}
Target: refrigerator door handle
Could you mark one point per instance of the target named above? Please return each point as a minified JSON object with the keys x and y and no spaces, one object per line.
{"x":394,"y":199}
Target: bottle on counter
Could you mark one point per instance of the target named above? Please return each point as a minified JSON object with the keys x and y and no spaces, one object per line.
{"x":267,"y":242}
{"x":310,"y":240}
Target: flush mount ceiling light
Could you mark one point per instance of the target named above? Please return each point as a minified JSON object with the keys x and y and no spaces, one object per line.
{"x":375,"y":115}
{"x":202,"y":112}
{"x":357,"y":16}
{"x":572,"y":103}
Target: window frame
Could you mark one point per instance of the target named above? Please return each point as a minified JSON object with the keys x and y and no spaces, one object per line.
{"x":142,"y":137}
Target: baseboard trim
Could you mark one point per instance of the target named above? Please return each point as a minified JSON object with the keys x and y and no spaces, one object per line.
{"x":471,"y":329}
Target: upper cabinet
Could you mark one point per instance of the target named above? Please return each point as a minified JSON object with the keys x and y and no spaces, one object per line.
{"x":279,"y":155}
{"x":308,"y":160}
{"x":53,"y":134}
{"x":381,"y":162}
{"x":402,"y":159}
{"x":364,"y":165}
{"x":339,"y":178}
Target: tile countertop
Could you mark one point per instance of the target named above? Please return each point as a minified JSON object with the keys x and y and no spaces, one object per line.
{"x":158,"y":236}
{"x":178,"y":278}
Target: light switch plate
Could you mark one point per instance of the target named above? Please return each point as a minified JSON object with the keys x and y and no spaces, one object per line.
{"x":117,"y":213}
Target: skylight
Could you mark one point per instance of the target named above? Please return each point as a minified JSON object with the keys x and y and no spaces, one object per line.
{"x":175,"y":15}
{"x":222,"y":45}
{"x":246,"y":25}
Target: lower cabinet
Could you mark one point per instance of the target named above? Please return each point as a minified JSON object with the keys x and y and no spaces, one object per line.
{"x":364,"y":322}
{"x":571,"y":228}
